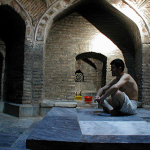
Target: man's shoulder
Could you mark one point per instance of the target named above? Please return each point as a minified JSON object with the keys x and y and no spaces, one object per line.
{"x":126,"y":75}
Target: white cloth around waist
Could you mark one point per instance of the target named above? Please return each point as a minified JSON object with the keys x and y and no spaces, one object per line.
{"x":129,"y":106}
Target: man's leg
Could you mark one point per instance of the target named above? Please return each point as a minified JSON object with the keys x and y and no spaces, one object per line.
{"x":113,"y":104}
{"x":107,"y":105}
{"x":117,"y":102}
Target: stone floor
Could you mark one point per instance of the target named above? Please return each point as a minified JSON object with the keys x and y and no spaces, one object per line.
{"x":14,"y":131}
{"x":84,"y":126}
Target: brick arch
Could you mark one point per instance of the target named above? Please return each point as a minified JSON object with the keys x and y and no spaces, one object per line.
{"x":54,"y":13}
{"x":61,"y":8}
{"x":94,"y":55}
{"x":46,"y":20}
{"x":24,"y":14}
{"x":56,"y":9}
{"x":85,"y":57}
{"x":143,"y":24}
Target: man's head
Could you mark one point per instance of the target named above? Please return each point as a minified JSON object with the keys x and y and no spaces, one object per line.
{"x":117,"y":66}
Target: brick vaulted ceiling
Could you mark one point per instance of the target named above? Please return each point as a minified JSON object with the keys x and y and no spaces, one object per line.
{"x":36,"y":8}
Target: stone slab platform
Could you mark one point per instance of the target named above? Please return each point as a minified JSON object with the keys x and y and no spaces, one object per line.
{"x":90,"y":129}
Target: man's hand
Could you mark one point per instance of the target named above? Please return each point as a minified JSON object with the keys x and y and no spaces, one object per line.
{"x":97,"y":99}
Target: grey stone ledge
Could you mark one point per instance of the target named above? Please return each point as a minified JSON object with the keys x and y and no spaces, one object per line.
{"x":49,"y":104}
{"x":65,"y":104}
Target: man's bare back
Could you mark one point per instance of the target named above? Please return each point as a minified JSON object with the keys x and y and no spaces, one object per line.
{"x":130,"y":87}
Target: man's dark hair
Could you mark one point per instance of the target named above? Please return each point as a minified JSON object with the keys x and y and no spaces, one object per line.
{"x":118,"y":63}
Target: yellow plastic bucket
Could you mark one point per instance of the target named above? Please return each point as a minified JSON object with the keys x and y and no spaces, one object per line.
{"x":78,"y":97}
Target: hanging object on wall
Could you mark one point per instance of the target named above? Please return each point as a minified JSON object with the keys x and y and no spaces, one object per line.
{"x":79,"y":76}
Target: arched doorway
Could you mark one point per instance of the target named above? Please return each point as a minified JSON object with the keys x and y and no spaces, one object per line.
{"x":12,"y":32}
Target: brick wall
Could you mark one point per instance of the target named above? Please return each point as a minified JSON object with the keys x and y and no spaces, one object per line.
{"x":146,"y":72}
{"x":69,"y":37}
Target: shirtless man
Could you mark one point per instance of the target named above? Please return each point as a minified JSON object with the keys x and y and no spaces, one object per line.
{"x":122,"y":89}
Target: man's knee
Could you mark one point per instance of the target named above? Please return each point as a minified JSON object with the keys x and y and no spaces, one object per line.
{"x":117,"y":99}
{"x":117,"y":94}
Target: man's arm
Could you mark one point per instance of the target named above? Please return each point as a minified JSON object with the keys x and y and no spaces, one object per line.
{"x":115,"y":87}
{"x":102,"y":90}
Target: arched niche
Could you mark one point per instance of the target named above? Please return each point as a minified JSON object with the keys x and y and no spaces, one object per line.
{"x":93,"y":66}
